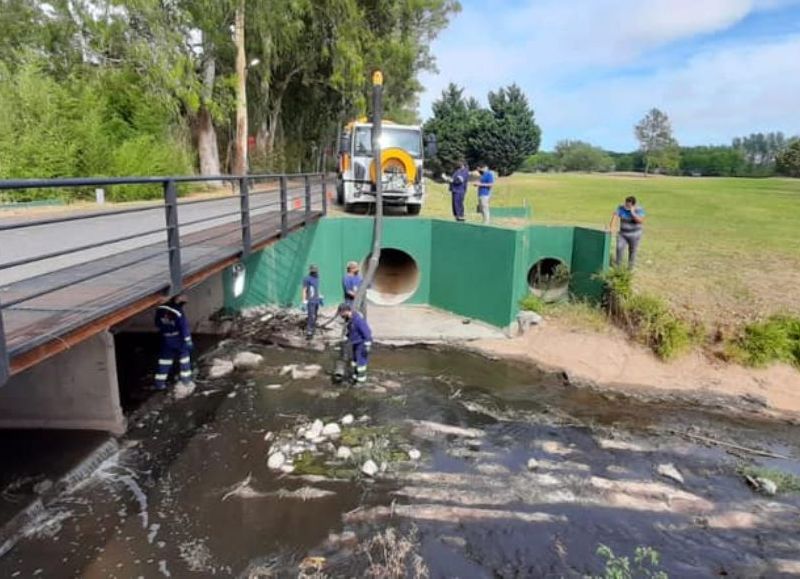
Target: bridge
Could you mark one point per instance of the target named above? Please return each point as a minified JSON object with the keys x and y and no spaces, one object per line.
{"x":66,"y":279}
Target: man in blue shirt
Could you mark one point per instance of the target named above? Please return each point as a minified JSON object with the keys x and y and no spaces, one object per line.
{"x":484,"y":190}
{"x":176,"y":342}
{"x":351,"y":282}
{"x":631,"y":227}
{"x":458,"y":189}
{"x":311,"y":299}
{"x":359,"y":338}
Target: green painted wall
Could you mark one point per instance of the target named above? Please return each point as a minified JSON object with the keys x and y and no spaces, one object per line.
{"x":473,"y":270}
{"x":590,"y":255}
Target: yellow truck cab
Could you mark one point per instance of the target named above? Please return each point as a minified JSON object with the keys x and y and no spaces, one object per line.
{"x":402,"y":158}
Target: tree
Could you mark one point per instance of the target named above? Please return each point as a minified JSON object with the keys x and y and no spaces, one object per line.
{"x":580,"y":156}
{"x":788,"y":162}
{"x":660,"y":149}
{"x":506,"y":134}
{"x":712,"y":161}
{"x":543,"y":161}
{"x":450,"y":123}
{"x":760,"y":151}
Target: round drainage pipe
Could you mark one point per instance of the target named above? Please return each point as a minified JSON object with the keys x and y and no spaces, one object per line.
{"x":396,"y":278}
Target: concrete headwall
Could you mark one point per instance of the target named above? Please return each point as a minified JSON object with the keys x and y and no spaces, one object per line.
{"x":76,"y":389}
{"x":472,"y":270}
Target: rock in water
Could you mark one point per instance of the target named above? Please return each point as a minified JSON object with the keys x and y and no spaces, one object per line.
{"x":369,"y":468}
{"x":414,"y":454}
{"x":767,"y":486}
{"x":301,"y":371}
{"x":315,"y":430}
{"x":220,"y":368}
{"x":183,"y":390}
{"x":247,"y":360}
{"x":533,"y":464}
{"x":332,"y":430}
{"x":344,"y":453}
{"x":348,"y":419}
{"x":276,"y":461}
{"x":669,"y":471}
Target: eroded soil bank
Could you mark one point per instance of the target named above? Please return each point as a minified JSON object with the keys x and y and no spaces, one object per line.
{"x":519,"y":474}
{"x":609,"y":361}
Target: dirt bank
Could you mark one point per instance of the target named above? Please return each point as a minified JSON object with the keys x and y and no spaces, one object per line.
{"x":608,"y":360}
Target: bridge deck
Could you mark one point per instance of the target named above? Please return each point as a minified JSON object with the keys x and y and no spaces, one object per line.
{"x":133,"y":280}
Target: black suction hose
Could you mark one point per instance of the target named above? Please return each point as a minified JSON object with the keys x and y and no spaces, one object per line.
{"x":359,"y":302}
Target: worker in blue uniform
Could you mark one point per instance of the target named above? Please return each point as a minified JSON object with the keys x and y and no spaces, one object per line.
{"x":458,"y":189}
{"x":312,"y":299}
{"x":176,"y":342}
{"x":359,"y":338}
{"x":351,"y":282}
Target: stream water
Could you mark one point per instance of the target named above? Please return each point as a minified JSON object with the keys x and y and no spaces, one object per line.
{"x":191,"y":494}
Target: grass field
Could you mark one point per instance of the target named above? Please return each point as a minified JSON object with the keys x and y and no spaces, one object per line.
{"x":721,"y":251}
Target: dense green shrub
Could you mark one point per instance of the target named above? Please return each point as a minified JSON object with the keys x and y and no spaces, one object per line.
{"x":646,"y":318}
{"x":651,"y":321}
{"x":90,"y":125}
{"x":532,"y":303}
{"x":776,"y":339}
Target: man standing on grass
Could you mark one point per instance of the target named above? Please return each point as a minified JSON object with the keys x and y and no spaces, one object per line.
{"x":458,"y":189}
{"x":631,"y":227}
{"x":484,"y":190}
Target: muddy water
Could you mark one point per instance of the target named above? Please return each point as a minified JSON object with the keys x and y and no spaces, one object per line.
{"x":191,"y":494}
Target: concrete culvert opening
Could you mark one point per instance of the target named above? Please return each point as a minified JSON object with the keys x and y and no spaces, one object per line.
{"x":549,"y":278}
{"x":396,"y":279}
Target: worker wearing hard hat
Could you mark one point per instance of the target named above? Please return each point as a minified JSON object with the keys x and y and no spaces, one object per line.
{"x":176,"y":342}
{"x":351,"y":282}
{"x":312,"y":299}
{"x":359,"y":337}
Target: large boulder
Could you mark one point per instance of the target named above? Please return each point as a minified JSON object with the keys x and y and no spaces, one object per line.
{"x":220,"y":368}
{"x":246,"y":360}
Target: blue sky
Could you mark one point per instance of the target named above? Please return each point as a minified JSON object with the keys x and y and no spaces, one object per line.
{"x":592,"y":68}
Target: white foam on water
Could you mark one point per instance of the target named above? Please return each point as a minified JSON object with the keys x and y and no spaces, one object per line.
{"x":153,"y":532}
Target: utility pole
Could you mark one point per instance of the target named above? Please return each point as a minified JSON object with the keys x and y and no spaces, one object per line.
{"x":240,"y":144}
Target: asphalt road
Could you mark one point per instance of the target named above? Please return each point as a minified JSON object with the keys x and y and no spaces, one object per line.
{"x":35,"y":241}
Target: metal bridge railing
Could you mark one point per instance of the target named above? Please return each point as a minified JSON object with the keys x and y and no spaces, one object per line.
{"x":290,"y":194}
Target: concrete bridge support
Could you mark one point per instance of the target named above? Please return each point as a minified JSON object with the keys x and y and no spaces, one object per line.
{"x":76,"y":389}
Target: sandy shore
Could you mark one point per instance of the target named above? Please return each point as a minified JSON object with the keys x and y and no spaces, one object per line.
{"x":609,"y":360}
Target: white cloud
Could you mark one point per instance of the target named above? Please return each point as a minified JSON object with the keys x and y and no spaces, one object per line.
{"x":554,"y":49}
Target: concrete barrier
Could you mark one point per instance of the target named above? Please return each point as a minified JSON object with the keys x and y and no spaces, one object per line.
{"x":76,"y":389}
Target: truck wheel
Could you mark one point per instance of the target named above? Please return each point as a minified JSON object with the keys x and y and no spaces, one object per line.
{"x":413,"y":209}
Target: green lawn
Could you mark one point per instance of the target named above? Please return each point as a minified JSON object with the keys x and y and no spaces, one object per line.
{"x":721,"y":250}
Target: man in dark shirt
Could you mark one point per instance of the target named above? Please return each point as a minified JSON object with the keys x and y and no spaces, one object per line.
{"x":351,"y":282}
{"x":311,"y":299}
{"x":359,"y":337}
{"x":458,"y":189}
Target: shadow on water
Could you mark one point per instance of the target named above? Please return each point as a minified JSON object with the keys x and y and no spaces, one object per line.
{"x":191,"y":494}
